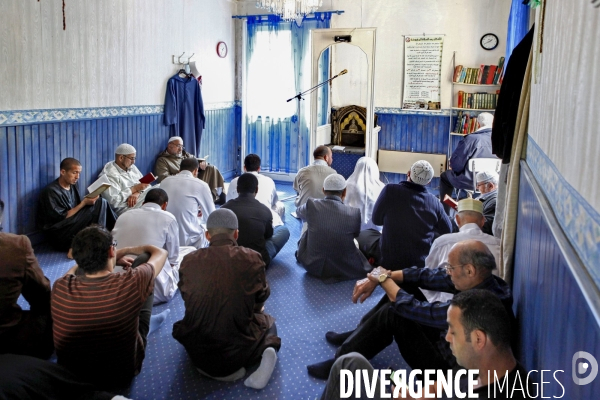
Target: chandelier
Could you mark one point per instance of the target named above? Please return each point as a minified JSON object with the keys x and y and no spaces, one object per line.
{"x":290,"y":9}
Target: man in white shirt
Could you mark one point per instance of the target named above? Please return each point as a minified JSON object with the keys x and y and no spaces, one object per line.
{"x":309,"y":180}
{"x":470,"y":219}
{"x":152,"y":225}
{"x":126,"y":191}
{"x":267,"y":193}
{"x":191,"y":203}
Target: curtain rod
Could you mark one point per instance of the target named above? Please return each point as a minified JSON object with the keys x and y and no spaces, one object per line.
{"x":338,"y":12}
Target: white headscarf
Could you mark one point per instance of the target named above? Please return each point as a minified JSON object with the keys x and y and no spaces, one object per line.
{"x":363,"y":188}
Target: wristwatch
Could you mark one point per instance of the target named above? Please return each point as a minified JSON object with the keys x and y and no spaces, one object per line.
{"x":383,"y":277}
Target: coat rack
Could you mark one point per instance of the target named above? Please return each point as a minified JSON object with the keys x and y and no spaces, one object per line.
{"x":186,"y":64}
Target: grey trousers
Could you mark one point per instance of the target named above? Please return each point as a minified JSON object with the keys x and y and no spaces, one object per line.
{"x":352,"y":362}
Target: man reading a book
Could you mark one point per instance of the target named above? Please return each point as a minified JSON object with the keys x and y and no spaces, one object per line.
{"x":126,"y":190}
{"x":169,"y":160}
{"x":63,"y":212}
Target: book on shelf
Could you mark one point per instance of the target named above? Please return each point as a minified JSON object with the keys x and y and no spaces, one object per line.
{"x":499,"y":71}
{"x":484,"y":75}
{"x":477,"y":100}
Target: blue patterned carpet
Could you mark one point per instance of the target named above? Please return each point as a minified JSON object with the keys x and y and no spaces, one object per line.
{"x":304,"y":307}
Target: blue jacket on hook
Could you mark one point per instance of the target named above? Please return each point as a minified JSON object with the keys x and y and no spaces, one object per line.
{"x":184,"y":111}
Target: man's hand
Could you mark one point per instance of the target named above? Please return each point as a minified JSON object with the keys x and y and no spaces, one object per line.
{"x":89,"y":201}
{"x":362,"y":290}
{"x":131,"y":200}
{"x":125,"y":261}
{"x":139,"y":187}
{"x":202,"y":165}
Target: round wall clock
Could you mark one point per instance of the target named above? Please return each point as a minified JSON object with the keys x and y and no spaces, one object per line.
{"x":221,"y":49}
{"x":489,"y":41}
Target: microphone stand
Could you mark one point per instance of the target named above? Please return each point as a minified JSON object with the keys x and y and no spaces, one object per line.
{"x":299,"y":97}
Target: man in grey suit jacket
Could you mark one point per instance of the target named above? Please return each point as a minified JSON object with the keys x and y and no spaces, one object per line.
{"x":326,"y":249}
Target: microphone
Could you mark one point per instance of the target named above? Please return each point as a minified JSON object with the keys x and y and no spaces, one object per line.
{"x":343,"y":72}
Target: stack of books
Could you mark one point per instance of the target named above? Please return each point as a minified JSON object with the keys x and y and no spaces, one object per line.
{"x":479,"y":100}
{"x":484,"y":75}
{"x":465,"y":123}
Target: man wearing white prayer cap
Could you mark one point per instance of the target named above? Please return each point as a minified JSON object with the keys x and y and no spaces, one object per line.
{"x":126,"y":191}
{"x":169,"y":161}
{"x":487,"y":185}
{"x":326,"y":249}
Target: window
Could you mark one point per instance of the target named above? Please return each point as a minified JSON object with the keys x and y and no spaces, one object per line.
{"x":270,"y":78}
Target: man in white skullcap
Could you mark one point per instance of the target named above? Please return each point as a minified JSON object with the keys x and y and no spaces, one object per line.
{"x":224,"y":288}
{"x":326,"y":249}
{"x":487,"y":185}
{"x":475,"y":145}
{"x":169,"y":161}
{"x":470,"y":220}
{"x":126,"y":191}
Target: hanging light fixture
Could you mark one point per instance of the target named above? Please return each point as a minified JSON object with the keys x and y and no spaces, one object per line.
{"x":290,"y":9}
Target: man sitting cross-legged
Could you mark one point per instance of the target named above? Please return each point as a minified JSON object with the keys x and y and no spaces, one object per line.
{"x":479,"y":335}
{"x":190,"y":202}
{"x":151,"y":224}
{"x":267,"y":192}
{"x":327,"y":249}
{"x":417,"y":326}
{"x":101,"y":318}
{"x":257,"y":231}
{"x":62,"y":212}
{"x":224,"y":288}
{"x":27,"y":332}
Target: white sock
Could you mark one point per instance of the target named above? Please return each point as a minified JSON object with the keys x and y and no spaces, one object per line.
{"x":157,"y":320}
{"x":261,"y":376}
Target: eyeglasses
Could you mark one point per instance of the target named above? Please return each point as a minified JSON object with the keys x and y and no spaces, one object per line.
{"x":114,"y":243}
{"x":179,"y":146}
{"x":132,"y":159}
{"x":482,"y":184}
{"x":449,"y":268}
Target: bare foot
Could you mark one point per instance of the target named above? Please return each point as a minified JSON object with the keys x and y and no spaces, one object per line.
{"x":70,"y":254}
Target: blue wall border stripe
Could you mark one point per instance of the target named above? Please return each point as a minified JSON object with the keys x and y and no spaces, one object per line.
{"x":579,"y":220}
{"x":27,"y":117}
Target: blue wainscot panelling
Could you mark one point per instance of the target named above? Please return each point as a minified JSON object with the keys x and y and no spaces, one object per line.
{"x":555,"y":299}
{"x":31,"y":150}
{"x":414,"y":132}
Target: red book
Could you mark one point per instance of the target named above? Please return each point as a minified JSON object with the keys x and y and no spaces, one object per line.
{"x":457,"y":72}
{"x":460,"y":98}
{"x":148,"y":178}
{"x":480,"y":74}
{"x":491,"y":73}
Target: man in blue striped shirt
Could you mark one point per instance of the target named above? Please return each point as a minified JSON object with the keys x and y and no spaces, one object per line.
{"x":417,"y":326}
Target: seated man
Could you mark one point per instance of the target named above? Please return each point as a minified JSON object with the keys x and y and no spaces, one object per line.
{"x":101,"y":318}
{"x":308,"y":182}
{"x":23,"y":332}
{"x":151,"y":224}
{"x":419,"y":327}
{"x":267,"y":193}
{"x":326,"y":249}
{"x":487,"y":184}
{"x":167,"y":164}
{"x":190,"y":202}
{"x":479,"y":336}
{"x":470,"y":221}
{"x":224,"y":288}
{"x":475,"y":145}
{"x":411,"y":217}
{"x":62,"y":213}
{"x":126,"y":191}
{"x":256,"y":220}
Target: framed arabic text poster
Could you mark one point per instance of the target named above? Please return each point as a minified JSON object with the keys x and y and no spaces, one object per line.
{"x":422,"y":72}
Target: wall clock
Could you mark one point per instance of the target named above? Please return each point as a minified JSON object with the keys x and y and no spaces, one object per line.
{"x":221,"y":49}
{"x":489,"y":41}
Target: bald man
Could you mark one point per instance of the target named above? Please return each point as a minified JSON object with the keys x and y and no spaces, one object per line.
{"x":309,"y":180}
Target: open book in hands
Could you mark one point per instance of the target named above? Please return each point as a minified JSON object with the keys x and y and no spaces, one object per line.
{"x":148,"y":178}
{"x":99,"y":186}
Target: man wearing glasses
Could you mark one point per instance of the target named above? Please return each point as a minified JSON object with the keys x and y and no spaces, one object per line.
{"x":169,"y":161}
{"x":418,"y":326}
{"x":487,"y":185}
{"x":126,"y":191}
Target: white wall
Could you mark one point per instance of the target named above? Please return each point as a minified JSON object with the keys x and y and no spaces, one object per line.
{"x":565,"y":95}
{"x":112,"y":53}
{"x":462,"y":21}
